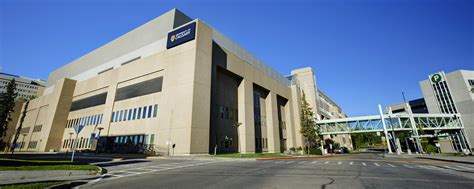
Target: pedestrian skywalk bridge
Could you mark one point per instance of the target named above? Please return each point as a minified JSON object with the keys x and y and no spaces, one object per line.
{"x":395,"y":122}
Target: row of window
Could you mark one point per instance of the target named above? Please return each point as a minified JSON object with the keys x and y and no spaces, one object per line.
{"x":31,"y":144}
{"x":261,"y":143}
{"x":134,"y":113}
{"x":87,"y":120}
{"x":80,"y":143}
{"x":227,"y":113}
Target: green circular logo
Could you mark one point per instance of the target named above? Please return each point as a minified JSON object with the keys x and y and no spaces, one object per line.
{"x":436,"y":78}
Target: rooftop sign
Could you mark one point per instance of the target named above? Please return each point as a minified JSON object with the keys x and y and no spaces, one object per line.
{"x":181,"y":35}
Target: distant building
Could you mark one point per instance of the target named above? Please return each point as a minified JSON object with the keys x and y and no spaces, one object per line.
{"x":452,"y":93}
{"x":418,"y":106}
{"x":24,"y":86}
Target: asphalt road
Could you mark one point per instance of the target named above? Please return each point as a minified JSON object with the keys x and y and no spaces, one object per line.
{"x":348,"y":171}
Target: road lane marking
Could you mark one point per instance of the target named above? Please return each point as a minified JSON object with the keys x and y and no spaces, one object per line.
{"x":351,"y":163}
{"x":278,"y":161}
{"x":408,"y":166}
{"x":315,"y":162}
{"x":376,"y":164}
{"x":391,"y":165}
{"x":302,"y":162}
{"x":339,"y":163}
{"x":363,"y":163}
{"x":290,"y":162}
{"x":326,"y":162}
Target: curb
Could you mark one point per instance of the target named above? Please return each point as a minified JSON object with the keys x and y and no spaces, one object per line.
{"x":447,"y":160}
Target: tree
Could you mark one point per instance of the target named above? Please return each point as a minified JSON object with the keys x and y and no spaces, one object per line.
{"x":308,"y":124}
{"x":7,"y":104}
{"x":22,"y":119}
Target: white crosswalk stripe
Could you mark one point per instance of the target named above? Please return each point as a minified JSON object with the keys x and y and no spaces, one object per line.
{"x":289,"y":162}
{"x":391,"y":165}
{"x":408,"y":166}
{"x":326,"y":162}
{"x":376,"y":164}
{"x":363,"y":163}
{"x":301,"y":162}
{"x":314,"y":162}
{"x":339,"y":163}
{"x":351,"y":163}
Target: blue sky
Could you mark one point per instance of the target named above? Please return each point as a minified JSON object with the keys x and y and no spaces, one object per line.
{"x":365,"y":52}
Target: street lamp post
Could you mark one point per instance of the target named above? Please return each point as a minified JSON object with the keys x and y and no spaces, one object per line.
{"x":97,"y":138}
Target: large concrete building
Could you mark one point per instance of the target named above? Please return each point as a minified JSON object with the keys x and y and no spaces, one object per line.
{"x":172,"y":82}
{"x":452,"y":93}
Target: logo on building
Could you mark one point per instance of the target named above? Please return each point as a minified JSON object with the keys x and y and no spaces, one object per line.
{"x":181,"y":35}
{"x":436,"y":78}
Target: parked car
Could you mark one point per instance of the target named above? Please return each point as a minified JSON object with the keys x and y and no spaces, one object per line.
{"x":341,"y":150}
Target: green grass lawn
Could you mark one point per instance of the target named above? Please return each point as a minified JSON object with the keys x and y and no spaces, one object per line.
{"x":37,"y":185}
{"x":24,"y":165}
{"x":260,"y":155}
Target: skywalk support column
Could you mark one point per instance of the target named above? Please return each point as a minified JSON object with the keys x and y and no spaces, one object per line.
{"x":245,"y":108}
{"x":272,"y":123}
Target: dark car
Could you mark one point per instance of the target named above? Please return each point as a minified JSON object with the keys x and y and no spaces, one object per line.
{"x":341,"y":150}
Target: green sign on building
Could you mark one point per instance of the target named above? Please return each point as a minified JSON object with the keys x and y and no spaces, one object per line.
{"x":436,"y":78}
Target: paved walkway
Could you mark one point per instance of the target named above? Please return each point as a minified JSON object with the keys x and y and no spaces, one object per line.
{"x":17,"y":177}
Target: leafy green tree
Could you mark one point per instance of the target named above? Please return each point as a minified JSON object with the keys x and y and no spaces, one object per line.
{"x":22,"y":119}
{"x":7,"y":104}
{"x":308,"y":124}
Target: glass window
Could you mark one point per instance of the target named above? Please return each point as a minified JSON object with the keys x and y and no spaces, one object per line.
{"x":121,"y":115}
{"x":100,"y":120}
{"x":149,"y":111}
{"x":139,"y":111}
{"x":116,"y":116}
{"x":130,"y":114}
{"x":125,"y":115}
{"x":140,"y":139}
{"x":155,"y":110}
{"x":94,"y":119}
{"x":134,"y":113}
{"x":152,"y":138}
{"x":144,"y":112}
{"x":112,"y":117}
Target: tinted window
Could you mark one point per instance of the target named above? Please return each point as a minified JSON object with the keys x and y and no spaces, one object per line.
{"x":139,"y":89}
{"x":89,"y":102}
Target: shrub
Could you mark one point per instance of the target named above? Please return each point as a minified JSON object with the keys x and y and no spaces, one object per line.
{"x":314,"y":151}
{"x":430,"y":149}
{"x":292,"y":149}
{"x":336,"y":145}
{"x":299,"y":148}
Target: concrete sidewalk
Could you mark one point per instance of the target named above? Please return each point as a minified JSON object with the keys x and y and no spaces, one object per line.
{"x":18,"y":177}
{"x":455,"y":159}
{"x":439,"y":157}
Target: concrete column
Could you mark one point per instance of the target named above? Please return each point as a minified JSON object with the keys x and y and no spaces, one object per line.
{"x":296,"y":106}
{"x":246,"y":117}
{"x":272,"y":123}
{"x":289,"y":126}
{"x":58,"y":110}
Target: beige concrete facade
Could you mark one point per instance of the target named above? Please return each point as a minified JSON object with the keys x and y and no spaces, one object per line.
{"x":184,"y":106}
{"x":453,"y":94}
